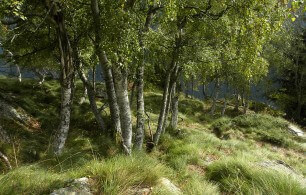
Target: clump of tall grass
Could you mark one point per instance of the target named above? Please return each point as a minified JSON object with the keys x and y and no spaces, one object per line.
{"x":237,"y":176}
{"x":120,"y":173}
{"x":30,"y":180}
{"x":112,"y":176}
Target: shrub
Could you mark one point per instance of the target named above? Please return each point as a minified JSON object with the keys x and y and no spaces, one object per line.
{"x":220,"y":126}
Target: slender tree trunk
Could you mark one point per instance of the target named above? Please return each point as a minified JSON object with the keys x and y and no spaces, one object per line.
{"x":140,"y":109}
{"x":225,"y":100}
{"x":161,"y":118}
{"x":106,"y":67}
{"x":84,"y":95}
{"x":171,"y":94}
{"x":167,"y":108}
{"x":216,"y":93}
{"x":40,"y":75}
{"x":18,"y":73}
{"x":67,"y":75}
{"x":66,"y":99}
{"x":237,"y":101}
{"x":192,"y":86}
{"x":140,"y":81}
{"x":245,"y":104}
{"x":121,"y":85}
{"x":132,"y":94}
{"x":91,"y":96}
{"x":173,"y":65}
{"x":186,"y":90}
{"x":175,"y":102}
{"x":243,"y":98}
{"x":94,"y":78}
{"x":224,"y":106}
{"x":6,"y":160}
{"x":204,"y":91}
{"x":112,"y":99}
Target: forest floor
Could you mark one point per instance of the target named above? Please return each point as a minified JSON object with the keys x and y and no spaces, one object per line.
{"x":237,"y":154}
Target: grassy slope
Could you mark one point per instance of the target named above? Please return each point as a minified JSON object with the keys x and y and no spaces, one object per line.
{"x":194,"y":158}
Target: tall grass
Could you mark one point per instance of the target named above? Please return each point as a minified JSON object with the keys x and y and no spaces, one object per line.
{"x":238,"y":176}
{"x":112,"y":176}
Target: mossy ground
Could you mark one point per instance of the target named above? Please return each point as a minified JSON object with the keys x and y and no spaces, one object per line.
{"x":209,"y":155}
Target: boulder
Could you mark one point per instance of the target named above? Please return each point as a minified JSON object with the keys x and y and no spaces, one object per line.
{"x":18,"y":114}
{"x":140,"y":191}
{"x":79,"y":186}
{"x":296,"y":130}
{"x":169,"y":186}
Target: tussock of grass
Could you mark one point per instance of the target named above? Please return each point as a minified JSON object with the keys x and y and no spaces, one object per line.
{"x":178,"y":152}
{"x":198,"y":185}
{"x":118,"y":174}
{"x":30,"y":180}
{"x":237,"y":176}
{"x":113,"y":176}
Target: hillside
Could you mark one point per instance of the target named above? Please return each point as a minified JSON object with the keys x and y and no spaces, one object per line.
{"x":237,"y":154}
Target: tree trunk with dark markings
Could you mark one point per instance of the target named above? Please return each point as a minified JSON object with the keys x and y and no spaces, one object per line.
{"x":67,"y":75}
{"x":121,"y":86}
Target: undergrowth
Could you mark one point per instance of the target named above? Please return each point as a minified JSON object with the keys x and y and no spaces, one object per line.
{"x":194,"y":156}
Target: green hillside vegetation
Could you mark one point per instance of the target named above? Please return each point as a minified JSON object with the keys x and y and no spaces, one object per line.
{"x":205,"y":155}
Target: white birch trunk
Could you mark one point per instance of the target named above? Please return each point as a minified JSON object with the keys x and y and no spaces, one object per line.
{"x":121,"y":85}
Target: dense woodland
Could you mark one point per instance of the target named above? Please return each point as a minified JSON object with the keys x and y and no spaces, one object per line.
{"x":143,"y":47}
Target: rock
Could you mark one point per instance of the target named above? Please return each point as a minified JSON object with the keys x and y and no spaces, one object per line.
{"x":169,"y":186}
{"x":140,"y":191}
{"x":18,"y":114}
{"x":296,"y":130}
{"x":284,"y":168}
{"x":79,"y":186}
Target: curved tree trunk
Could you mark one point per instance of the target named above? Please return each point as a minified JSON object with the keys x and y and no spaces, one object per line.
{"x":106,"y":68}
{"x":171,"y":94}
{"x":67,"y":75}
{"x":162,"y":113}
{"x":91,"y":96}
{"x":62,"y":133}
{"x":172,"y":67}
{"x":6,"y":160}
{"x":169,"y":98}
